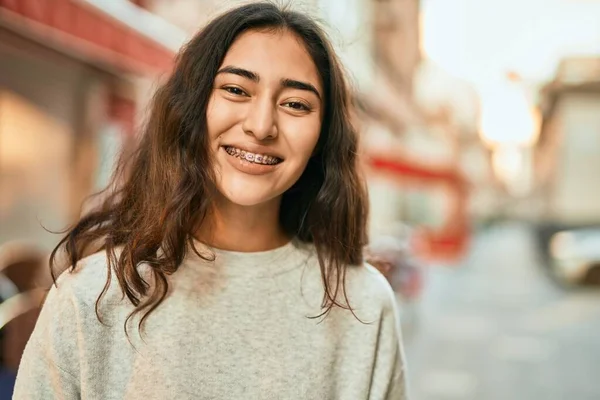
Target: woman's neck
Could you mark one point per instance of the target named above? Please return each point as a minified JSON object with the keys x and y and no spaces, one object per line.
{"x":233,"y":227}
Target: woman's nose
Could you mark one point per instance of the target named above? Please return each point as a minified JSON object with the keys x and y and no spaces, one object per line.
{"x":261,"y":120}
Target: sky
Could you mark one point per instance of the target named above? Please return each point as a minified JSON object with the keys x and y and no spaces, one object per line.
{"x":479,"y":40}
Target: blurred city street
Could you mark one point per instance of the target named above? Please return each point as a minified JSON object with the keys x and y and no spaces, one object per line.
{"x":497,"y":327}
{"x":472,"y":115}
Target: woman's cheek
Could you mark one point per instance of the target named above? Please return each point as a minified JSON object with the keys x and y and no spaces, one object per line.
{"x":222,"y":115}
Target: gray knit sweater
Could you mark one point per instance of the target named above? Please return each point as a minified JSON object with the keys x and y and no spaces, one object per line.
{"x":234,"y":328}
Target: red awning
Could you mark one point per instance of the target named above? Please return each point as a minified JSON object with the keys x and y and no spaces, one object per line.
{"x":86,"y":33}
{"x":410,"y":169}
{"x":448,"y":243}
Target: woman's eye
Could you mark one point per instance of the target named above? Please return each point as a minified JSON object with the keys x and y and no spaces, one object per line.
{"x":296,"y":105}
{"x":235,"y":90}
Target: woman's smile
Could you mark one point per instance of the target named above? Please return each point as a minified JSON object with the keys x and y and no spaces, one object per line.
{"x":251,"y":163}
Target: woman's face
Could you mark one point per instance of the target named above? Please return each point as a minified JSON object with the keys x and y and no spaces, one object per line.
{"x":264,"y":116}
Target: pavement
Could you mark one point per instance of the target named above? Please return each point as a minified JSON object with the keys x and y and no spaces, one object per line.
{"x":497,"y":327}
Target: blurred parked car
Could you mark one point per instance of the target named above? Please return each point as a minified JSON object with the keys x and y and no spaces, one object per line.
{"x":575,"y":255}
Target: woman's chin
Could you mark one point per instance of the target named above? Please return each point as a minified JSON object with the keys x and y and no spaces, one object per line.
{"x":245,"y":199}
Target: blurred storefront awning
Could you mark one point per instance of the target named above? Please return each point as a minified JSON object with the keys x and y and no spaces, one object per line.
{"x":409,"y":169}
{"x":95,"y":32}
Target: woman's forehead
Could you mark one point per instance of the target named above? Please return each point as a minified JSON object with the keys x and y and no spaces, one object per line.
{"x":273,"y":54}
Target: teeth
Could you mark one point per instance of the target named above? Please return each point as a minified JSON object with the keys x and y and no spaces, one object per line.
{"x":251,"y":157}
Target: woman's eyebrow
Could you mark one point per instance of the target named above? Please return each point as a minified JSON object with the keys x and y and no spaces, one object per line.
{"x":244,"y":73}
{"x":285,"y":82}
{"x":294,"y":84}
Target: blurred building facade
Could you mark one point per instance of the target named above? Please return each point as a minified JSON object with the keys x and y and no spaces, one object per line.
{"x":426,"y":166}
{"x":68,"y":97}
{"x":567,"y":185}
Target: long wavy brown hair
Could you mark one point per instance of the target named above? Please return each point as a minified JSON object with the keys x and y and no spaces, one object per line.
{"x":160,"y":194}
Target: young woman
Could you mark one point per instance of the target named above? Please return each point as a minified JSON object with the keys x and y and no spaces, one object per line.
{"x":228,"y":257}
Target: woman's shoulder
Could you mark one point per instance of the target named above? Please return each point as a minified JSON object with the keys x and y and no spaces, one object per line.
{"x":86,"y":281}
{"x":367,"y":290}
{"x":367,"y":287}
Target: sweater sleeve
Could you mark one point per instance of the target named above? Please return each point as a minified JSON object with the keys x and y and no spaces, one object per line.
{"x":389,"y":375}
{"x":49,"y":367}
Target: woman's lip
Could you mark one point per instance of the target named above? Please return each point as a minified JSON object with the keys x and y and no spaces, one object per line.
{"x":255,"y":150}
